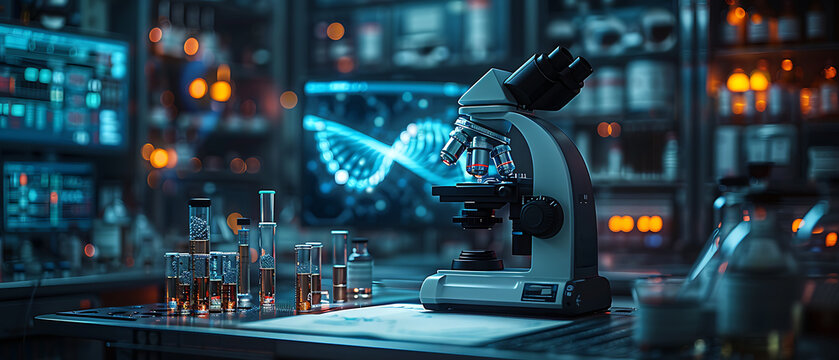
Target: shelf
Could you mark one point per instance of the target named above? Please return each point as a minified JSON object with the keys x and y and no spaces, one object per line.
{"x":664,"y":186}
{"x":798,"y":50}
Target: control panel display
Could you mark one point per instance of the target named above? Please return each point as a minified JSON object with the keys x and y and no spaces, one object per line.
{"x":60,"y":89}
{"x":47,"y":196}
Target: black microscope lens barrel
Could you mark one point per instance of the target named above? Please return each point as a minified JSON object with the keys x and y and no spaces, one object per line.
{"x":579,"y":70}
{"x":454,"y":147}
{"x":478,"y":164}
{"x":503,"y":160}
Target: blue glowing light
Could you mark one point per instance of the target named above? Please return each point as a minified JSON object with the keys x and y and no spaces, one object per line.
{"x":347,"y":87}
{"x":360,"y":162}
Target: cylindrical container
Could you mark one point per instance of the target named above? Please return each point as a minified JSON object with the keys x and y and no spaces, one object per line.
{"x":229,"y":280}
{"x":184,"y":283}
{"x":666,"y":319}
{"x":267,"y":233}
{"x":303,"y":279}
{"x":244,"y":281}
{"x":201,"y":283}
{"x":609,"y":91}
{"x":360,"y":270}
{"x":478,"y":164}
{"x":317,"y":262}
{"x":170,"y":260}
{"x":339,"y":265}
{"x":215,"y":281}
{"x":199,"y":226}
{"x":648,"y":85}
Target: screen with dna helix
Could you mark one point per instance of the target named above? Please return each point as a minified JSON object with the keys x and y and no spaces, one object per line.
{"x":372,"y":152}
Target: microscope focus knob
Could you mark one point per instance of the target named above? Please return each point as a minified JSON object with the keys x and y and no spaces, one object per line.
{"x":541,"y":217}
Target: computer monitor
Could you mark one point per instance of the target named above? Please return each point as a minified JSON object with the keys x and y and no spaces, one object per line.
{"x":371,"y":151}
{"x":62,"y":90}
{"x":47,"y":196}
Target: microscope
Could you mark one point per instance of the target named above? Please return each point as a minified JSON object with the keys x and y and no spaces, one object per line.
{"x":547,"y":188}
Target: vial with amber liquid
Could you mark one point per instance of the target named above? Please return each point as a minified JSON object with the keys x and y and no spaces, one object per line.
{"x":229,"y":281}
{"x":215,"y":281}
{"x":339,"y":265}
{"x":201,"y":283}
{"x":303,"y":279}
{"x":184,"y":286}
{"x":170,"y":259}
{"x":317,"y":261}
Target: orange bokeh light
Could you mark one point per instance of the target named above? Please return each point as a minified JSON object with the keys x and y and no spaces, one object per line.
{"x":627,"y":223}
{"x":615,"y":223}
{"x":335,"y":31}
{"x":345,"y":64}
{"x":23,"y":179}
{"x":738,"y":81}
{"x":159,"y":158}
{"x":53,"y":197}
{"x":173,"y":158}
{"x":231,"y":222}
{"x":830,"y":72}
{"x":220,"y":91}
{"x":644,"y":223}
{"x":223,"y":73}
{"x":155,"y":34}
{"x":786,"y":64}
{"x":614,"y":129}
{"x":759,"y":81}
{"x":288,"y":100}
{"x":830,"y":239}
{"x":198,"y":88}
{"x":238,"y":166}
{"x":253,"y":165}
{"x":146,"y":151}
{"x":89,"y":250}
{"x":603,"y":129}
{"x":191,"y":46}
{"x":656,"y":223}
{"x":796,"y":224}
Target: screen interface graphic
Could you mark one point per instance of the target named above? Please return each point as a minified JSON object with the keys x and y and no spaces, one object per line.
{"x":47,"y":196}
{"x":372,"y":152}
{"x":62,"y":89}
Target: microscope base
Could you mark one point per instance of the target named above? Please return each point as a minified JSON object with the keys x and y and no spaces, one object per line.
{"x":513,"y":292}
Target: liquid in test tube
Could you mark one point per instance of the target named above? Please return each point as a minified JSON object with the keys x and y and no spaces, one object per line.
{"x":339,"y":265}
{"x":171,"y":261}
{"x":230,"y":279}
{"x":303,"y":279}
{"x":184,"y":283}
{"x":244,"y":283}
{"x":317,"y":262}
{"x":267,"y":233}
{"x":199,"y":233}
{"x":215,"y":281}
{"x":201,"y":283}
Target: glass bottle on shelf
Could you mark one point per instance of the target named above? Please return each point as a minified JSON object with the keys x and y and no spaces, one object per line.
{"x":757,"y":28}
{"x":789,"y":26}
{"x":816,"y":20}
{"x":733,"y":25}
{"x":828,"y":91}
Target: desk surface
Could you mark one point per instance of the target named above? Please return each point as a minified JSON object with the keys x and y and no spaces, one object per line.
{"x":147,"y":328}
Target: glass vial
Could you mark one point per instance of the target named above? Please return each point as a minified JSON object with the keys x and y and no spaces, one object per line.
{"x":215,"y":281}
{"x":229,"y":280}
{"x":184,"y":283}
{"x":199,"y":226}
{"x":170,"y":260}
{"x":303,"y":278}
{"x":317,"y":262}
{"x":201,"y":283}
{"x":267,"y":233}
{"x":244,"y":283}
{"x":339,"y":265}
{"x":360,"y":270}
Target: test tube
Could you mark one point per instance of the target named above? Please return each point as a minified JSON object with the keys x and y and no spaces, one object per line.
{"x":230,"y":278}
{"x":244,"y":283}
{"x":339,"y":265}
{"x":317,"y":261}
{"x":201,"y":283}
{"x":267,"y":231}
{"x":199,"y":226}
{"x":303,"y":281}
{"x":171,"y":261}
{"x":184,"y":283}
{"x":215,"y":281}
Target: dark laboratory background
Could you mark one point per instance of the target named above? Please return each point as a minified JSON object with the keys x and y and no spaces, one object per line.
{"x":114,"y":113}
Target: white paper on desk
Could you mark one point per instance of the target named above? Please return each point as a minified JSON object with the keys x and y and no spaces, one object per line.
{"x":408,"y":322}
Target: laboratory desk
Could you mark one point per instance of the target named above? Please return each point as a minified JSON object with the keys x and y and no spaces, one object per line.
{"x":146,"y":331}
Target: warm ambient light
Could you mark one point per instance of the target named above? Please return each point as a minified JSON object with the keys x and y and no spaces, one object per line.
{"x":223,"y":73}
{"x":238,"y":166}
{"x":198,"y":88}
{"x":786,"y":65}
{"x":644,"y":223}
{"x":23,"y":179}
{"x":627,"y":223}
{"x":738,"y":81}
{"x":335,"y":31}
{"x":288,"y":100}
{"x":89,"y":250}
{"x":735,"y":16}
{"x":830,"y":72}
{"x":155,"y":34}
{"x":615,"y":223}
{"x":759,"y":81}
{"x":345,"y":64}
{"x":191,"y":46}
{"x":220,"y":91}
{"x":231,"y":222}
{"x":173,"y":158}
{"x":656,"y":223}
{"x":146,"y":151}
{"x":159,"y":158}
{"x":830,"y":239}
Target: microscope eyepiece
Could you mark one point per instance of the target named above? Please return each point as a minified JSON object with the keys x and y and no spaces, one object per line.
{"x":478,"y":164}
{"x":454,"y":147}
{"x":548,"y":82}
